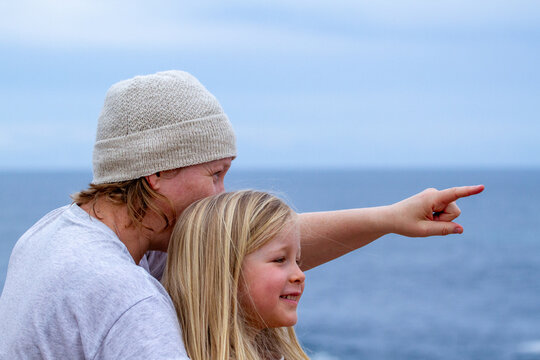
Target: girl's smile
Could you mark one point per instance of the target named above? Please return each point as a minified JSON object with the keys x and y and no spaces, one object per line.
{"x":293,"y":298}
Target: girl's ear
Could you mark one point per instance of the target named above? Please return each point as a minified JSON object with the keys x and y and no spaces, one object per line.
{"x":154,"y":181}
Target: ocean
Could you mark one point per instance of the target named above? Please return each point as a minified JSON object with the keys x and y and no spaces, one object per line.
{"x":469,"y":296}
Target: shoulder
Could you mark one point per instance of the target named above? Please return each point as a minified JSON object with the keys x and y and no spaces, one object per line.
{"x":64,"y":227}
{"x":146,"y":330}
{"x":122,"y":307}
{"x":83,"y":263}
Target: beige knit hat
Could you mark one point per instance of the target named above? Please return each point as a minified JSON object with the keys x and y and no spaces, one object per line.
{"x":159,"y":122}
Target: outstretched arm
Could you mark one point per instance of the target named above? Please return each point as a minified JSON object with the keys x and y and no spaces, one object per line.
{"x":328,"y":235}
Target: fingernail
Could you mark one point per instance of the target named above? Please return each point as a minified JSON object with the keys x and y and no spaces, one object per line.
{"x":458,"y":230}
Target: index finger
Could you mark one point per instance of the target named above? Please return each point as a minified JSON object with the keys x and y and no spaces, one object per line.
{"x":450,"y":195}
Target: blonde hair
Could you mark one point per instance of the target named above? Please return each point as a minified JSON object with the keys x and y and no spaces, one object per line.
{"x":205,"y":255}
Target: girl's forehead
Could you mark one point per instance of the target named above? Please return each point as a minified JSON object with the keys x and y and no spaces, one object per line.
{"x":287,"y":237}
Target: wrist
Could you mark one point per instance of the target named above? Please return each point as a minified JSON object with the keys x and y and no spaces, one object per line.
{"x":387,"y":219}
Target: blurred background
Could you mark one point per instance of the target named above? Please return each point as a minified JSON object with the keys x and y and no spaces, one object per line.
{"x":336,"y":104}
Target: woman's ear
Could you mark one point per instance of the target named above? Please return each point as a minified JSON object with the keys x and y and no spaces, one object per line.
{"x":154,"y":181}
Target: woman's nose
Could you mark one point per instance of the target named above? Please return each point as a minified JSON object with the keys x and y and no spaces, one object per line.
{"x":219,"y":187}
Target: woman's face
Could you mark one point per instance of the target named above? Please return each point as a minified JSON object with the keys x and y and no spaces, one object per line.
{"x":184,"y":186}
{"x":272,"y":282}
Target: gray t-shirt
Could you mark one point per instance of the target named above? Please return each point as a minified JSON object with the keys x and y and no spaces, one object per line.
{"x":73,"y":291}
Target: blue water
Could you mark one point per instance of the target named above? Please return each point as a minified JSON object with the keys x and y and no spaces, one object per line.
{"x":471,"y":296}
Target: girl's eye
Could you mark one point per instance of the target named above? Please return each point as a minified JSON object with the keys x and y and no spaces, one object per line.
{"x":298,"y":262}
{"x":279,"y":260}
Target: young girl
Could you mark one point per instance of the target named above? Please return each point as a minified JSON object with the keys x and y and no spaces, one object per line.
{"x":233,"y":275}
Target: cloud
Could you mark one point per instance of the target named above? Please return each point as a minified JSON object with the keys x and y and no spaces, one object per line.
{"x":420,"y":13}
{"x":294,"y":76}
{"x":138,"y":25}
{"x":317,"y":26}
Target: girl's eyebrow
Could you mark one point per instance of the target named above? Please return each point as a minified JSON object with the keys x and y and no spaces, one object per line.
{"x":277,"y":249}
{"x":283,"y":247}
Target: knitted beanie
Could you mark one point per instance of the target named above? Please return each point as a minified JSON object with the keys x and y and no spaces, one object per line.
{"x":159,"y":122}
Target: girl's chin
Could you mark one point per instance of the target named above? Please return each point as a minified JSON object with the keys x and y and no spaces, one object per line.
{"x":284,"y":322}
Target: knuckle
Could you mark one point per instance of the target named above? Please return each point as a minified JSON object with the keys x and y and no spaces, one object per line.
{"x":429,"y":192}
{"x":424,"y":230}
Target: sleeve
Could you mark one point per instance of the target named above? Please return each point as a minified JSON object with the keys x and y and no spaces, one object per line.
{"x":148,"y":330}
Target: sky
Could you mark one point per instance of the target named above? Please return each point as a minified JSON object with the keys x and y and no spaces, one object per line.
{"x":306,"y":84}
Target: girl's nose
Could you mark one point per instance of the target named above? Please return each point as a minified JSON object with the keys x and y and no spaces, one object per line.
{"x":298,"y":275}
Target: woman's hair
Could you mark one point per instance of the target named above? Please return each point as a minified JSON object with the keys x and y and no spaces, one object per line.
{"x":137,"y":195}
{"x":205,"y":255}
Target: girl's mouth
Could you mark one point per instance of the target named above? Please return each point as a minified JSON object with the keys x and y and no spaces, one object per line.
{"x":291,"y":297}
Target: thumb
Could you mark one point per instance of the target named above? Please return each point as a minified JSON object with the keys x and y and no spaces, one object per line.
{"x":442,"y":228}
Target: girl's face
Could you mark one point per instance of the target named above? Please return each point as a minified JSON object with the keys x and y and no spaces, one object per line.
{"x":272,"y":281}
